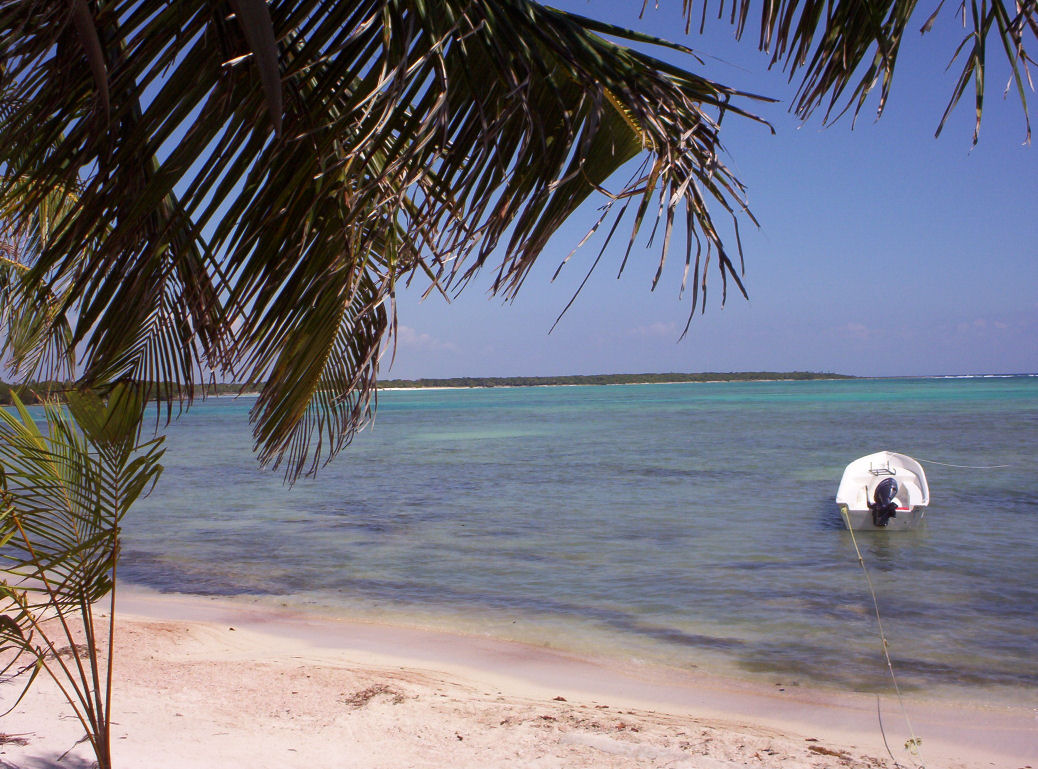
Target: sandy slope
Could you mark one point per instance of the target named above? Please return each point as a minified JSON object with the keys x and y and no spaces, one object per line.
{"x":210,"y":684}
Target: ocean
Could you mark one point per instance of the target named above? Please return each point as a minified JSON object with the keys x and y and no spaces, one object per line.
{"x":690,"y":525}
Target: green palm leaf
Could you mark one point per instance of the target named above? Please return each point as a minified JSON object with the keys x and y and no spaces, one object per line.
{"x":63,"y":493}
{"x":67,"y":489}
{"x":36,"y":334}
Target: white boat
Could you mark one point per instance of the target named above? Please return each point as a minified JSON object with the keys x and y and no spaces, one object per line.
{"x":884,"y":490}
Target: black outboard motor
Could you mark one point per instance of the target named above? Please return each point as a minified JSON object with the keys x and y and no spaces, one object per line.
{"x":884,"y":506}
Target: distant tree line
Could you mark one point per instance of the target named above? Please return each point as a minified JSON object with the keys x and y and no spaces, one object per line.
{"x":31,"y":393}
{"x":610,"y":379}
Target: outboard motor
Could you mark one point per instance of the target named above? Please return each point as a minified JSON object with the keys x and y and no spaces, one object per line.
{"x":884,"y":506}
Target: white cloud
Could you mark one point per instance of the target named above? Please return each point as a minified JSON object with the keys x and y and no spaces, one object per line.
{"x":852,"y":330}
{"x":982,"y":325}
{"x":655,"y":331}
{"x":410,"y":339}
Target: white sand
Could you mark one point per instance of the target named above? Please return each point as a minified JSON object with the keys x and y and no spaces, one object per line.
{"x":207,"y":684}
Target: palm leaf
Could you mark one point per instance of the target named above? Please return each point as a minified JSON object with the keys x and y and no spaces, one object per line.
{"x":36,"y":334}
{"x":841,"y":50}
{"x":475,"y":128}
{"x":63,"y":493}
{"x":66,"y":492}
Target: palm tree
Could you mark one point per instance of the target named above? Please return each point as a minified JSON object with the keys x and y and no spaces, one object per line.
{"x":207,"y":186}
{"x":63,"y":493}
{"x":255,"y":181}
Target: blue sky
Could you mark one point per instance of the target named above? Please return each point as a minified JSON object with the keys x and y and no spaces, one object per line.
{"x":882,"y":251}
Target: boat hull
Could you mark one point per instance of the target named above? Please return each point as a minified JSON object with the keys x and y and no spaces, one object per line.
{"x":861,"y":520}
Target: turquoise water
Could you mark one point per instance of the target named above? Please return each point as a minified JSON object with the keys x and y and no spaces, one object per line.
{"x":688,"y":524}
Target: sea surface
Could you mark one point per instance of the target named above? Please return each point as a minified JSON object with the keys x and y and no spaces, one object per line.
{"x":691,"y":525}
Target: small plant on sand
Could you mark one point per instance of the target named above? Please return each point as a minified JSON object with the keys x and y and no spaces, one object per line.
{"x":63,"y":493}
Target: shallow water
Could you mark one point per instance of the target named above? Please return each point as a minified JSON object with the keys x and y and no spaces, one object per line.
{"x":690,"y":524}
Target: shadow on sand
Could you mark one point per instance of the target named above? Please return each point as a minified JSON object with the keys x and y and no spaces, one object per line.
{"x":49,"y":760}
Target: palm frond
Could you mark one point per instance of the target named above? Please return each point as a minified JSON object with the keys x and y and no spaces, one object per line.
{"x":66,"y":492}
{"x":63,"y":493}
{"x":36,"y":336}
{"x":475,"y":128}
{"x":842,"y":50}
{"x":203,"y":237}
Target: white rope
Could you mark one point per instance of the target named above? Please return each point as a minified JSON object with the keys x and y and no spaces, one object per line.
{"x":913,"y":742}
{"x":964,"y":467}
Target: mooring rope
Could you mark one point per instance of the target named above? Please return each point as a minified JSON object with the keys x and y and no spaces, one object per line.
{"x":964,"y":467}
{"x":913,"y":741}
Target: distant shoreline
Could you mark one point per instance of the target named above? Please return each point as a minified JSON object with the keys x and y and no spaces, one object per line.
{"x":578,"y":380}
{"x":592,"y":380}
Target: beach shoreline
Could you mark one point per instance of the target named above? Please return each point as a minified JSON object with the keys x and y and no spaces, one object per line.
{"x":206,"y":682}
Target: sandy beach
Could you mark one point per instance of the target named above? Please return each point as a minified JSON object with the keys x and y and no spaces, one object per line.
{"x":208,"y":683}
